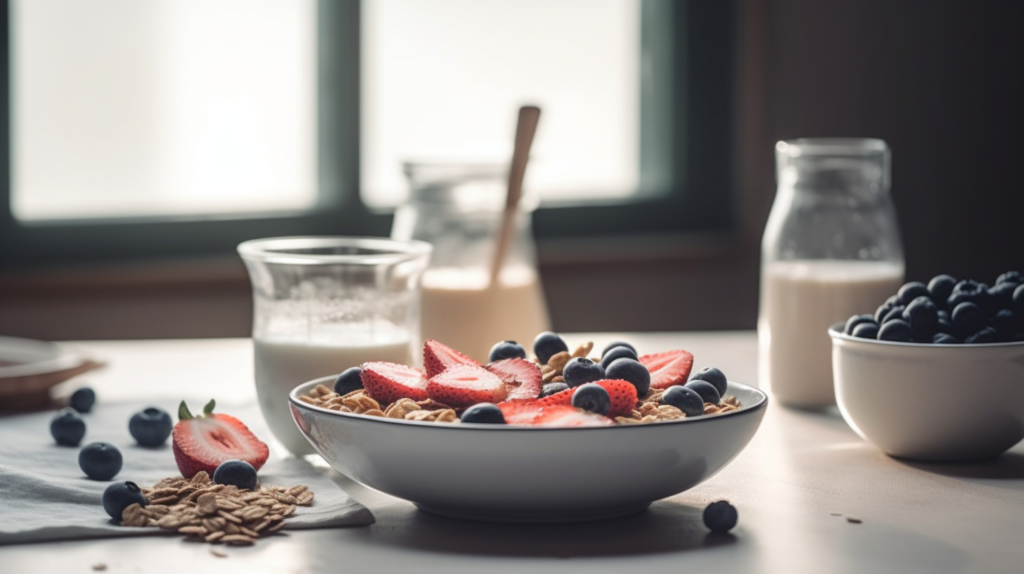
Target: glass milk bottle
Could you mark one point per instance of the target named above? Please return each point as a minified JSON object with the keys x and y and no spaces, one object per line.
{"x":457,"y":207}
{"x":324,"y":304}
{"x":831,"y":249}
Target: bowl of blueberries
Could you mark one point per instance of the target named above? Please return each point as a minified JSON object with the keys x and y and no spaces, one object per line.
{"x":936,"y":373}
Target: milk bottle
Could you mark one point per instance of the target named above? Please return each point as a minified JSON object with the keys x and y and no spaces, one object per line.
{"x":831,"y":249}
{"x":457,"y":207}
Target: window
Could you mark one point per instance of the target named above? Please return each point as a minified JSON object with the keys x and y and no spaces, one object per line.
{"x":174,"y":128}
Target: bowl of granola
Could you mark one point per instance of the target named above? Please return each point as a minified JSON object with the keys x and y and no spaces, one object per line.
{"x":549,"y":460}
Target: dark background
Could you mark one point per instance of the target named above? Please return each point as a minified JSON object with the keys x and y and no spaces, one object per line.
{"x":941,"y":82}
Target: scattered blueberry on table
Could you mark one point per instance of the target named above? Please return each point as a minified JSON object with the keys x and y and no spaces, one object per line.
{"x":67,"y":428}
{"x":720,"y":517}
{"x":948,"y":312}
{"x":150,"y":426}
{"x":100,"y":460}
{"x":83,"y":399}
{"x":121,"y":495}
{"x":236,"y":472}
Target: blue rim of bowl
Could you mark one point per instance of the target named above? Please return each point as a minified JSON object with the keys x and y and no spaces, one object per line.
{"x":761,"y":403}
{"x":836,"y":332}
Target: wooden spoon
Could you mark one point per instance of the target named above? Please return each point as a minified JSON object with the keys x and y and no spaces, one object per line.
{"x":525,"y":130}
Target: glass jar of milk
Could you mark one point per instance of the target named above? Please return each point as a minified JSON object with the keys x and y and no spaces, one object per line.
{"x":324,"y":304}
{"x":457,"y":207}
{"x":831,"y":249}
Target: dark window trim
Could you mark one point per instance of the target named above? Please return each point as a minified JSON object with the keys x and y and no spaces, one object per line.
{"x":701,"y":158}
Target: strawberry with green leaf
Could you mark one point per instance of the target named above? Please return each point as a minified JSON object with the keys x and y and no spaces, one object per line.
{"x":203,"y":442}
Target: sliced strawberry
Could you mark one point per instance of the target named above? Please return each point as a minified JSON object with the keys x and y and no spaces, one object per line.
{"x":563,"y":416}
{"x":668,"y":368}
{"x":465,"y":385}
{"x":388,"y":382}
{"x":437,"y":357}
{"x":519,"y":412}
{"x":203,"y":442}
{"x":622,"y":394}
{"x":559,"y":398}
{"x":521,"y":377}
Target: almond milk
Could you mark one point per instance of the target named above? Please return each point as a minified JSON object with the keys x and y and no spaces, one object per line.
{"x":799,"y":301}
{"x":282,"y":363}
{"x":462,"y":310}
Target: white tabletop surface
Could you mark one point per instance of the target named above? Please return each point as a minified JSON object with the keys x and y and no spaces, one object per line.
{"x":797,"y":473}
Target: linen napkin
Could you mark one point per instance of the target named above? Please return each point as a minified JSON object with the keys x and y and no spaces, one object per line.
{"x":44,"y":495}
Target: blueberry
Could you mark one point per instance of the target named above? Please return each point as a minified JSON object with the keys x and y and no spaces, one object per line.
{"x":484,"y":413}
{"x":617,"y":353}
{"x":895,"y":330}
{"x":592,"y":397}
{"x":912,"y":290}
{"x":894,"y":313}
{"x":923,"y":317}
{"x":582,"y":370}
{"x":944,"y":339}
{"x":1002,"y":294}
{"x":852,"y":322}
{"x":708,"y":393}
{"x":236,"y":472}
{"x":1018,"y":300}
{"x":83,"y":399}
{"x":631,"y":371}
{"x":552,"y":388}
{"x":1010,"y":277}
{"x":970,"y":291}
{"x":121,"y":495}
{"x":720,"y":516}
{"x":986,"y":335}
{"x":506,"y":350}
{"x":684,"y":399}
{"x":967,"y":319}
{"x":1005,"y":323}
{"x":714,"y":376}
{"x":150,"y":427}
{"x":866,"y":331}
{"x":940,"y":287}
{"x":884,"y":308}
{"x":67,"y":428}
{"x":614,"y":344}
{"x":547,"y":344}
{"x":349,"y":380}
{"x":100,"y":460}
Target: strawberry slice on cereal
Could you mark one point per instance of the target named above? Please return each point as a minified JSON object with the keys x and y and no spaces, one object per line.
{"x":522,"y":378}
{"x":622,"y":395}
{"x":669,"y":368}
{"x":438,"y":357}
{"x":465,"y":385}
{"x":388,"y":382}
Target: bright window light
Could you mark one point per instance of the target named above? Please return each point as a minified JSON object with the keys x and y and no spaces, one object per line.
{"x":162,"y":107}
{"x":441,"y":75}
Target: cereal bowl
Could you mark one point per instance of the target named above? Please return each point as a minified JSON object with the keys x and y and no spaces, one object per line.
{"x":510,"y":473}
{"x":931,"y":402}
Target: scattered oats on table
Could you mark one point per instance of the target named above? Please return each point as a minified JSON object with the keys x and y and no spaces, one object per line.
{"x":216,"y":513}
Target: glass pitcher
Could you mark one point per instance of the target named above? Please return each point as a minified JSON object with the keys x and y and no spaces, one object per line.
{"x":831,"y":249}
{"x":457,"y":207}
{"x":324,"y":304}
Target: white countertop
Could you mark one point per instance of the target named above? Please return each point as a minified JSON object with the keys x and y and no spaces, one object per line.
{"x":798,"y":470}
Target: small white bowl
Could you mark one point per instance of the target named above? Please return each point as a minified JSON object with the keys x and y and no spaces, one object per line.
{"x":507,"y":473}
{"x":931,"y":402}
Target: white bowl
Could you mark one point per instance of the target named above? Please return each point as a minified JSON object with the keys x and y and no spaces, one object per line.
{"x":509,"y":473}
{"x":931,"y":402}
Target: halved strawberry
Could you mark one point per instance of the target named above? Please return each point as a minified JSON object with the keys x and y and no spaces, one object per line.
{"x":203,"y":442}
{"x":668,"y":368}
{"x":388,"y":382}
{"x":465,"y":385}
{"x":559,"y":398}
{"x":563,"y":416}
{"x":437,"y":357}
{"x":622,"y":394}
{"x":521,"y":377}
{"x":519,"y":412}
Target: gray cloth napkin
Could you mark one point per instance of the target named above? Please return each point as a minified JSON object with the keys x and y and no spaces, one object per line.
{"x":44,"y":495}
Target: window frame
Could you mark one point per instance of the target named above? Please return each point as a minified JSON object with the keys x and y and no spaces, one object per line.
{"x":701,"y":156}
